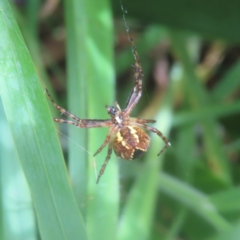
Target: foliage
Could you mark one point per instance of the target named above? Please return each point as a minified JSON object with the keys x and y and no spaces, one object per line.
{"x":189,"y":192}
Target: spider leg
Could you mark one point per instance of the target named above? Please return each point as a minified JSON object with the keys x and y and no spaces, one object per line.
{"x":107,"y":139}
{"x":142,"y":121}
{"x":117,"y":105}
{"x":154,"y":130}
{"x":138,"y":75}
{"x":110,"y":136}
{"x":86,"y":123}
{"x":60,"y":109}
{"x":105,"y":162}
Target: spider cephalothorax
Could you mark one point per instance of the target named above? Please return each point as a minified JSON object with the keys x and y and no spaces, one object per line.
{"x":116,"y":114}
{"x":126,"y":135}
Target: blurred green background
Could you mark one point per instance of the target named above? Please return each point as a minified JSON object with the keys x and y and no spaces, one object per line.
{"x":79,"y":50}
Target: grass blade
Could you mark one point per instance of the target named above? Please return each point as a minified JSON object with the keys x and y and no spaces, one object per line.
{"x":191,"y":198}
{"x":34,"y":136}
{"x":212,"y":111}
{"x":91,"y":87}
{"x":138,"y":212}
{"x":18,"y":219}
{"x":227,"y":200}
{"x":228,"y":83}
{"x":199,"y":98}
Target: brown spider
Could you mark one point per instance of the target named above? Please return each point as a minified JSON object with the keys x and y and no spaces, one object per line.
{"x":126,"y":135}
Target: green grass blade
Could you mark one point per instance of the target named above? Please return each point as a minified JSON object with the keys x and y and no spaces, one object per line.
{"x":198,"y":98}
{"x":91,"y":87}
{"x":194,"y":200}
{"x":138,"y":212}
{"x":76,"y":83}
{"x":18,"y":219}
{"x":177,"y":224}
{"x":212,"y":111}
{"x":228,"y":83}
{"x":231,"y":234}
{"x":34,"y":136}
{"x":227,"y":200}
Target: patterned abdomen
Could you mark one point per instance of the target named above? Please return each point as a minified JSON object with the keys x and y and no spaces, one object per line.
{"x":131,"y":142}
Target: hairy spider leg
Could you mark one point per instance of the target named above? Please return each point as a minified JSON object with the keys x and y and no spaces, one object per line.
{"x":86,"y":123}
{"x":105,"y":162}
{"x":141,"y":121}
{"x":137,"y":89}
{"x":136,"y":92}
{"x":106,"y":141}
{"x":154,"y":130}
{"x":62,"y":110}
{"x":81,"y":123}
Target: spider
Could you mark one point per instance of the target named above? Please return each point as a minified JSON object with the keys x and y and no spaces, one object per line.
{"x":126,"y":135}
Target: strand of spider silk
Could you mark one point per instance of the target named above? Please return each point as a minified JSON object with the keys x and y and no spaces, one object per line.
{"x":127,"y":28}
{"x":130,"y":40}
{"x":84,"y":149}
{"x":124,"y":19}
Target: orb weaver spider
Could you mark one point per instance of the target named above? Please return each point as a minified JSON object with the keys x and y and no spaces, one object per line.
{"x":126,"y":135}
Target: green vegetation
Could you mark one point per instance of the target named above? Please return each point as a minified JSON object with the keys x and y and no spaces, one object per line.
{"x":190,"y":60}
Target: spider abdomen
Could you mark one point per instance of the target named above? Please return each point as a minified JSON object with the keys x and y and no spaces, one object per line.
{"x":131,"y":142}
